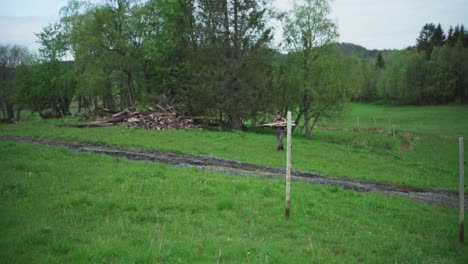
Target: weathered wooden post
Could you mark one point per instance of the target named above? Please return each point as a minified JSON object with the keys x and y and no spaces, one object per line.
{"x":462,"y":191}
{"x":288,"y":167}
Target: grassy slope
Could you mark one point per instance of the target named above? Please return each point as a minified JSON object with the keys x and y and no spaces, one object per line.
{"x":61,"y":206}
{"x":443,"y":120}
{"x":432,"y":161}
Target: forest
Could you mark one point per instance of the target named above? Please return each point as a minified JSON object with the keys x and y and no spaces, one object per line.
{"x":218,"y":58}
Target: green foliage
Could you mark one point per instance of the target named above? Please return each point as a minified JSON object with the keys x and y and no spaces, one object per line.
{"x":434,"y":73}
{"x":425,"y":40}
{"x":47,"y":85}
{"x":309,"y":32}
{"x":231,"y":68}
{"x":12,"y":57}
{"x":380,"y":61}
{"x":214,"y":58}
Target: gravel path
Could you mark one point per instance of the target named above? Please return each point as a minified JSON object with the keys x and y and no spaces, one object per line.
{"x":433,"y":196}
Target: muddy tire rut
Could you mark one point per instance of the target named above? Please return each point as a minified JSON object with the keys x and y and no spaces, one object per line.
{"x":433,"y":196}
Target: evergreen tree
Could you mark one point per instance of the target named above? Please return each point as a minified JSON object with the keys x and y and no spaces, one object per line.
{"x":438,"y":37}
{"x":380,"y":64}
{"x":450,"y":36}
{"x":424,"y":41}
{"x":230,"y":62}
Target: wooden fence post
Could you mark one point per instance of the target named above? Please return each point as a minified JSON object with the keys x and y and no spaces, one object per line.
{"x":462,"y":191}
{"x":288,"y":167}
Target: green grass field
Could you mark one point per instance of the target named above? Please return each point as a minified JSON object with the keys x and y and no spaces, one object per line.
{"x":430,"y":161}
{"x":58,"y":206}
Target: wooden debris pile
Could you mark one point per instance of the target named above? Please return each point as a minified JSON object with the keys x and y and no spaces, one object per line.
{"x":146,"y":120}
{"x":158,"y":121}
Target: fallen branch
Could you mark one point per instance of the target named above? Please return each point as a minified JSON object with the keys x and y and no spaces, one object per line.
{"x":211,"y":118}
{"x":92,"y":124}
{"x":116,"y":118}
{"x":276,"y":124}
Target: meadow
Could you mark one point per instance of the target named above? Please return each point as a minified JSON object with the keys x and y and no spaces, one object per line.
{"x":58,"y":206}
{"x":429,"y":158}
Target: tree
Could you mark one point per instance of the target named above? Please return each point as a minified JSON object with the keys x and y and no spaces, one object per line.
{"x":425,"y":40}
{"x":438,"y":38}
{"x":232,"y":36}
{"x":55,"y":82}
{"x":11,"y":58}
{"x":130,"y":50}
{"x":380,"y":64}
{"x":308,"y":31}
{"x":335,"y":79}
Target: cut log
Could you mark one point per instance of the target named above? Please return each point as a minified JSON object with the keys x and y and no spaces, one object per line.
{"x":277,"y":124}
{"x":92,"y":124}
{"x":123,"y":113}
{"x":211,"y":118}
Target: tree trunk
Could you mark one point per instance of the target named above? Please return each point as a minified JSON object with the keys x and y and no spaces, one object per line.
{"x":10,"y":111}
{"x":254,"y":120}
{"x":123,"y":100}
{"x":64,"y":105}
{"x":236,"y":31}
{"x":236,"y":122}
{"x":79,"y":104}
{"x":87,"y":104}
{"x":95,"y":102}
{"x":227,"y":44}
{"x":131,"y":92}
{"x":305,"y":110}
{"x":110,"y":101}
{"x":3,"y":111}
{"x":18,"y":112}
{"x":309,"y":129}
{"x":54,"y":109}
{"x":298,"y":118}
{"x":306,"y":123}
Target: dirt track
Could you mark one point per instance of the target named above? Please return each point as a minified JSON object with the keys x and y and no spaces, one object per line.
{"x":438,"y":196}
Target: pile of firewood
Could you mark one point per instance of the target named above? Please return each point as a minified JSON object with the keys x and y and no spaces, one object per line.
{"x":159,"y":121}
{"x":147,"y":120}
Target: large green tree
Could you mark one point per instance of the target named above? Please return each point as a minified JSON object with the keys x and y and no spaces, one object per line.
{"x":11,"y":58}
{"x":229,"y":63}
{"x":55,"y":82}
{"x":309,"y":32}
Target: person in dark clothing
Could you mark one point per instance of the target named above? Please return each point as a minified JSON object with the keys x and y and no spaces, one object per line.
{"x":280,"y":129}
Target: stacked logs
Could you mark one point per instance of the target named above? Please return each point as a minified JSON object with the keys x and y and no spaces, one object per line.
{"x":157,"y":121}
{"x":146,"y":120}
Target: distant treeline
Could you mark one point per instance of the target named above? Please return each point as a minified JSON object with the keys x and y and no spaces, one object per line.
{"x":217,"y":58}
{"x":435,"y":71}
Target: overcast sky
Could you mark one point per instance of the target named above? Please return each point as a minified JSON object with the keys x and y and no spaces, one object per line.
{"x":374,"y":24}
